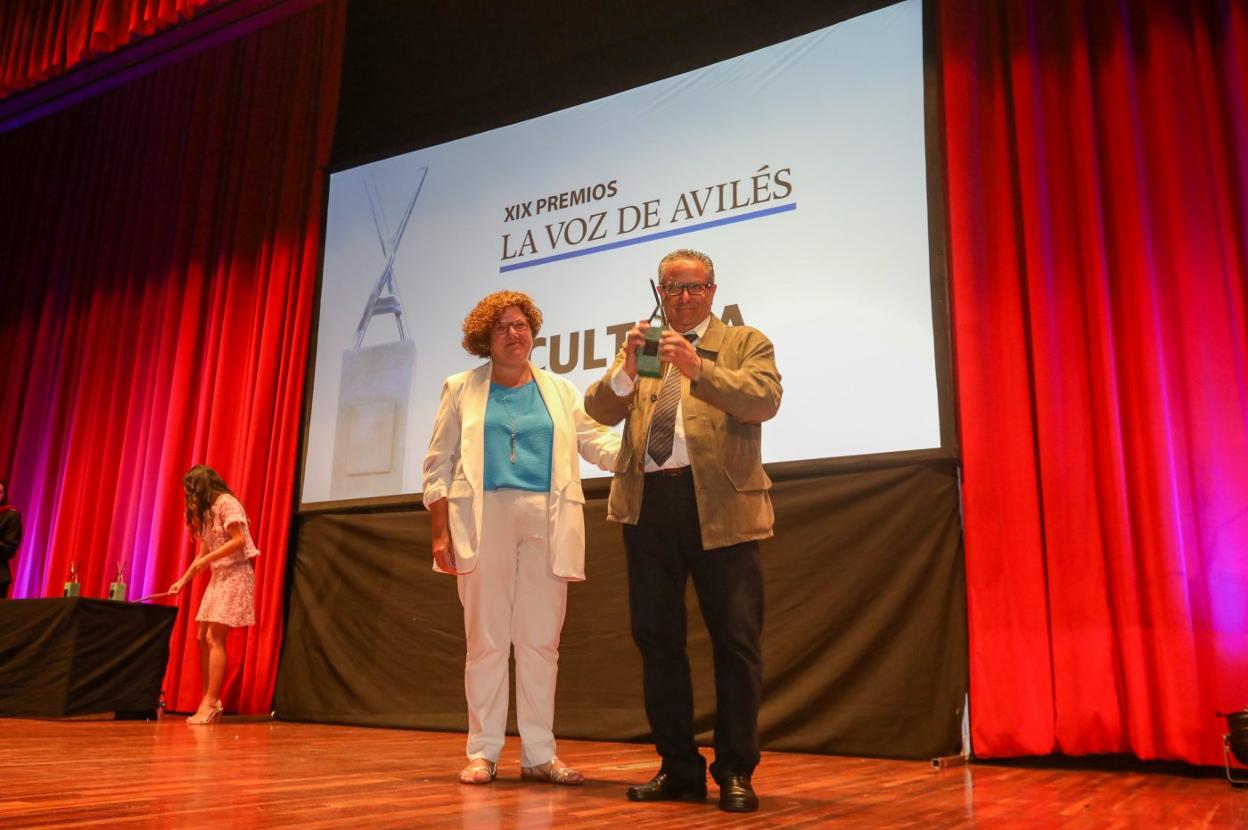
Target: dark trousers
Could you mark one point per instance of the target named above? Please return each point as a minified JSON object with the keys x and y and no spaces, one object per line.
{"x":664,"y":549}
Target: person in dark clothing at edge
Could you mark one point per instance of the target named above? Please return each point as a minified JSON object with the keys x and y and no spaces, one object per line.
{"x":10,"y":537}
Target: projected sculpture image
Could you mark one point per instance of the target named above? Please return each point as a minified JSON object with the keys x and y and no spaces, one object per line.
{"x":376,"y":380}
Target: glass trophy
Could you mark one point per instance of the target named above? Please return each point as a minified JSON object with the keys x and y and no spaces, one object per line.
{"x":72,"y":588}
{"x":117,"y":589}
{"x":648,"y":363}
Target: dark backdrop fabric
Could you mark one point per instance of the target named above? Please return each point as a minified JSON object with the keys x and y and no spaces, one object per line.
{"x":74,"y":656}
{"x":532,"y":58}
{"x":864,"y":639}
{"x":1098,"y":238}
{"x":158,"y":266}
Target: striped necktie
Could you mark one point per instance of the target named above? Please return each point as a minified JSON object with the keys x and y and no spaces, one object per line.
{"x":663,"y":424}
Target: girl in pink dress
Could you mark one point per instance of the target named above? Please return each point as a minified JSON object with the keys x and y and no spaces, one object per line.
{"x":217,"y":518}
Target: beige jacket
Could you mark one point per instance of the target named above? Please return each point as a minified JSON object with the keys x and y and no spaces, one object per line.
{"x":723,"y":411}
{"x":455,"y":466}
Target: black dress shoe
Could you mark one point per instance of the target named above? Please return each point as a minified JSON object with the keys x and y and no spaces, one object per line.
{"x":664,"y":787}
{"x":736,"y":795}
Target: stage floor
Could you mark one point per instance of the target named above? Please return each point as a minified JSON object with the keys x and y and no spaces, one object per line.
{"x":250,"y":774}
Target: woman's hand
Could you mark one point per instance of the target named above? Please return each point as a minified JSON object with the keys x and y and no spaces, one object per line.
{"x":444,"y":553}
{"x":197,"y":564}
{"x":440,"y":528}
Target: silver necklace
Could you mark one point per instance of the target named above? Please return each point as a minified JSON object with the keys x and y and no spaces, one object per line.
{"x":503,"y":400}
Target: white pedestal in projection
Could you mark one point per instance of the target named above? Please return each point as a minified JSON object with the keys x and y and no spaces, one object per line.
{"x":372,"y":420}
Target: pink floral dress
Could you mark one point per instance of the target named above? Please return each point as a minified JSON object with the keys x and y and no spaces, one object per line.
{"x":230,"y":597}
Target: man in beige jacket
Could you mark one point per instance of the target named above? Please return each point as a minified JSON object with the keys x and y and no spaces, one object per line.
{"x":692,"y":495}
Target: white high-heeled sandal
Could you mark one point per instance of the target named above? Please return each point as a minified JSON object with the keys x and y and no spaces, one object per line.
{"x":210,"y":718}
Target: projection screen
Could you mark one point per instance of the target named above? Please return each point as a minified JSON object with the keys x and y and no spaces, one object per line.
{"x":799,"y":169}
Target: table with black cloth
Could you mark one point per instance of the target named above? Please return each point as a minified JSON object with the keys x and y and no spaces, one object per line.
{"x":75,"y":656}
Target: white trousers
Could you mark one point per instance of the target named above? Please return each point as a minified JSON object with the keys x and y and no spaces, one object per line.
{"x":511,"y":599}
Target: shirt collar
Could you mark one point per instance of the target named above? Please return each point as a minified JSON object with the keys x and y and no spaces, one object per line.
{"x":700,"y":328}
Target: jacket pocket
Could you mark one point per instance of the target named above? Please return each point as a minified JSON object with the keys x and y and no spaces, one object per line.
{"x":461,"y":517}
{"x":748,"y":479}
{"x":572,"y":492}
{"x":740,"y":454}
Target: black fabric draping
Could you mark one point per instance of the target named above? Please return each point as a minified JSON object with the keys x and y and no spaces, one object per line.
{"x":864,"y":641}
{"x":76,"y":656}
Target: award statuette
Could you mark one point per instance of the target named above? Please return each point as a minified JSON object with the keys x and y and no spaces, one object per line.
{"x":72,"y":588}
{"x":648,"y":364}
{"x":375,"y":389}
{"x":117,"y":589}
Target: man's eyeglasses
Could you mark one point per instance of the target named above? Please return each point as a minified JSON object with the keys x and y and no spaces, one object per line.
{"x":519,"y":326}
{"x":674,"y":289}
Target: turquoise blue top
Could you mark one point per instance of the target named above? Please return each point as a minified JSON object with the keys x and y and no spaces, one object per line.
{"x":518,"y":409}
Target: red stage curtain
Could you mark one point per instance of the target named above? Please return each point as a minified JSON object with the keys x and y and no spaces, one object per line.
{"x":160,"y":256}
{"x":1097,"y":166}
{"x":40,"y":39}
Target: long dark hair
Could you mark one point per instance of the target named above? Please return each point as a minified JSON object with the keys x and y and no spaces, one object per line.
{"x":202,"y":485}
{"x":4,"y":485}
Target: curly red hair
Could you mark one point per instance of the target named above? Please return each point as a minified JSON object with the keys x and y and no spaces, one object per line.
{"x":480,"y":322}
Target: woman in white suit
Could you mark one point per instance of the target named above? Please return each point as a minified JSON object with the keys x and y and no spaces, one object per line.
{"x":503,"y":489}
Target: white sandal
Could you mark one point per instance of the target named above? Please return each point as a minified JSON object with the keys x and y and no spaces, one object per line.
{"x":478,"y":771}
{"x":208,"y":719}
{"x":554,"y":771}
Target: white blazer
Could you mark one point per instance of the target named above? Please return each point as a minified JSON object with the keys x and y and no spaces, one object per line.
{"x":455,"y":465}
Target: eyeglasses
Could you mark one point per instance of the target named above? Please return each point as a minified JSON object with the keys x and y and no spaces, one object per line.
{"x":674,"y":289}
{"x":519,"y":326}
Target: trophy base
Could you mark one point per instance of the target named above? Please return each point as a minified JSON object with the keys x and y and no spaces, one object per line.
{"x":649,"y":367}
{"x":648,"y":363}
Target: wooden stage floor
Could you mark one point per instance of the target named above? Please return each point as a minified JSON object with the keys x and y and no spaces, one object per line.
{"x":250,"y":774}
